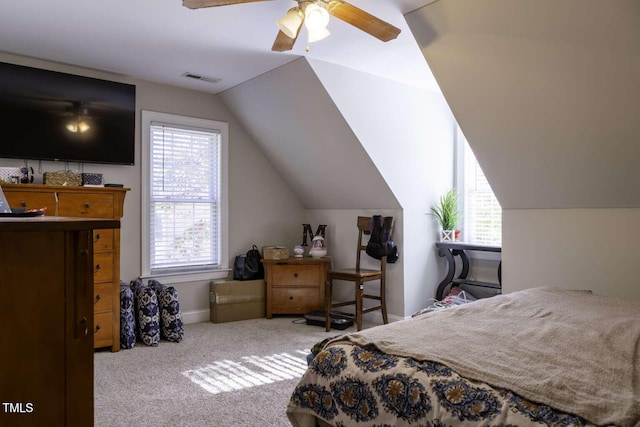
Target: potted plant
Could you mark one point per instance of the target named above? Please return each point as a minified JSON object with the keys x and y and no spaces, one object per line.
{"x":447,"y":215}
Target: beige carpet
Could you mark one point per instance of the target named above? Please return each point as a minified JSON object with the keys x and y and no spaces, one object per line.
{"x":225,"y":374}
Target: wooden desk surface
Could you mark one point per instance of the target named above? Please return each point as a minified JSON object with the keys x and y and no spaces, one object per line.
{"x":55,"y":223}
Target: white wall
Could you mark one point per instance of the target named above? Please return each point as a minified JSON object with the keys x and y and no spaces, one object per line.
{"x":592,"y":249}
{"x":352,"y":142}
{"x":342,"y":238}
{"x":289,"y":114}
{"x":546,"y":93}
{"x":262,"y":208}
{"x":408,"y":133}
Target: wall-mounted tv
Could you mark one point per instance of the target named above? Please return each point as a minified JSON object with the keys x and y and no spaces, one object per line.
{"x":48,"y":115}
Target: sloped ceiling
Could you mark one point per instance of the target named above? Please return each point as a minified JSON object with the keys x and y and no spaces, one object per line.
{"x":547,"y":93}
{"x":291,"y":117}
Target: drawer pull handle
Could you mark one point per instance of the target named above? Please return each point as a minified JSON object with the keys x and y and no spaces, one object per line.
{"x":98,"y":267}
{"x":84,"y":322}
{"x":98,"y":237}
{"x":98,"y":327}
{"x":290,"y":298}
{"x":295,"y":274}
{"x":98,"y":297}
{"x":87,"y":205}
{"x":23,"y":204}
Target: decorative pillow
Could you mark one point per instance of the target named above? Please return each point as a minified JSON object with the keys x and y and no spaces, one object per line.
{"x":171,"y":324}
{"x":147,"y":313}
{"x":127,"y":320}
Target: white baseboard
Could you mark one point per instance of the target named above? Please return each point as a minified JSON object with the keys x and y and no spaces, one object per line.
{"x":196,"y":316}
{"x":376,"y":317}
{"x":204,"y":316}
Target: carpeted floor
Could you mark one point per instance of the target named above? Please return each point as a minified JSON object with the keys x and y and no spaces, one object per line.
{"x":225,"y":374}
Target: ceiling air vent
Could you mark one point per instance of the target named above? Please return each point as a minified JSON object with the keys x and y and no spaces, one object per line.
{"x":202,"y":78}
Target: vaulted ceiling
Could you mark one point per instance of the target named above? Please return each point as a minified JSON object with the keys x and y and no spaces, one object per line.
{"x":546,"y":91}
{"x":160,"y":40}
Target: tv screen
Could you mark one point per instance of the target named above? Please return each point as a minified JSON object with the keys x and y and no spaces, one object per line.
{"x":48,"y":115}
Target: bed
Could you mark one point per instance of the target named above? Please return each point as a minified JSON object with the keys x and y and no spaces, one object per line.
{"x":542,"y":356}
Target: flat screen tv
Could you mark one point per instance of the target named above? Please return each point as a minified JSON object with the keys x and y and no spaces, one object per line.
{"x":48,"y":115}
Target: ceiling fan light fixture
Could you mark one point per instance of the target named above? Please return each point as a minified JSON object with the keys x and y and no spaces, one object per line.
{"x":291,"y":22}
{"x":317,"y":34}
{"x":315,"y":17}
{"x":316,"y":20}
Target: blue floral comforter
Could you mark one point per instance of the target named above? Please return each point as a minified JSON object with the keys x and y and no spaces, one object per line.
{"x":348,"y":385}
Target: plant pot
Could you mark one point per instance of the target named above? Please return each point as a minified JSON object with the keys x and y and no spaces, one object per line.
{"x":448,"y":235}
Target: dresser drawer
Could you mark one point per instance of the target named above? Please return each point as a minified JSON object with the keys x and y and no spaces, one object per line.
{"x":103,"y":267}
{"x":296,"y":275}
{"x":102,"y":297}
{"x":102,"y":327}
{"x":89,"y":205}
{"x":295,"y":300}
{"x":32,"y":200}
{"x":103,"y":240}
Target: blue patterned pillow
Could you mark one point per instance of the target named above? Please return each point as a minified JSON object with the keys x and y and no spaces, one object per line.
{"x":127,"y":320}
{"x":147,"y":313}
{"x":171,"y":324}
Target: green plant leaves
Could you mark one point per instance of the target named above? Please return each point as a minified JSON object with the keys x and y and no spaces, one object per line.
{"x":446,"y":211}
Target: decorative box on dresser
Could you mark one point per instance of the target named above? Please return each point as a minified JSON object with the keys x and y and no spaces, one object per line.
{"x":295,"y":285}
{"x":86,"y":202}
{"x":46,"y":347}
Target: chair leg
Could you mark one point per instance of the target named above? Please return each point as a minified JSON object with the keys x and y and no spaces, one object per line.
{"x":327,"y":304}
{"x":383,"y":300}
{"x":359,"y":299}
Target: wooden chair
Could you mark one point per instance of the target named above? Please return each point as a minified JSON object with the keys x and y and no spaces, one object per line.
{"x":359,"y":277}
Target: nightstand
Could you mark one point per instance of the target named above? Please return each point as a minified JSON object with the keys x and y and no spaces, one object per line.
{"x":295,"y":285}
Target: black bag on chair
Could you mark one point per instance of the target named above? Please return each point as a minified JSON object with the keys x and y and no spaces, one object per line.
{"x":381,"y":243}
{"x":248,"y":267}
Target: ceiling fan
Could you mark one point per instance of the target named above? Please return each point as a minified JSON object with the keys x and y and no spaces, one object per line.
{"x":315,"y":15}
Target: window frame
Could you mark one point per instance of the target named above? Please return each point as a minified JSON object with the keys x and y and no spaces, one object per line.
{"x":188,"y":122}
{"x":459,"y":182}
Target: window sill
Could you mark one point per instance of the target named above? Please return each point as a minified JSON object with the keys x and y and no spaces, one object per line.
{"x":168,"y":279}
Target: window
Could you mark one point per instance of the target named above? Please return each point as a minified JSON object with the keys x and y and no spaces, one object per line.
{"x":184,"y":196}
{"x":482,"y":214}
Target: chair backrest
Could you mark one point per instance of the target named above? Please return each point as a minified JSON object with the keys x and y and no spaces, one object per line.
{"x":364,"y":227}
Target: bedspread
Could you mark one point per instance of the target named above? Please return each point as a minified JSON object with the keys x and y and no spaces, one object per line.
{"x":348,"y":384}
{"x":569,"y":349}
{"x":542,"y":355}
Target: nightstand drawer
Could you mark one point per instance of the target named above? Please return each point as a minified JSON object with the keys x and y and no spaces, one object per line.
{"x":296,"y":275}
{"x":295,"y":300}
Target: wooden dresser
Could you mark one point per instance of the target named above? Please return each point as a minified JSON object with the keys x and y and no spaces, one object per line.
{"x":295,"y":285}
{"x":46,"y":346}
{"x":86,"y":202}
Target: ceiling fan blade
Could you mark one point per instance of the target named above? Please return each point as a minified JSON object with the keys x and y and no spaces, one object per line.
{"x":197,"y":4}
{"x":283,"y":42}
{"x":360,"y":19}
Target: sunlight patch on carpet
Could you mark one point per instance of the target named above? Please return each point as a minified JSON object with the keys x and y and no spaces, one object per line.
{"x":251,"y":371}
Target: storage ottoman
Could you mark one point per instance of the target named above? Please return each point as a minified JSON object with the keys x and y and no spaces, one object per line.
{"x":233,"y":300}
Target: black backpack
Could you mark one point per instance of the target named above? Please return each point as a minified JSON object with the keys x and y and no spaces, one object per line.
{"x":381,"y":243}
{"x":248,"y":267}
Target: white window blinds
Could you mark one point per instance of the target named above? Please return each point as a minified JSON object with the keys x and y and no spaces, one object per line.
{"x":184,"y":204}
{"x":482,"y":212}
